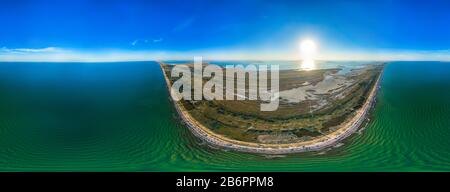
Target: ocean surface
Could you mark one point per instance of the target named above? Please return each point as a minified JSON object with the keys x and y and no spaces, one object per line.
{"x":117,"y":117}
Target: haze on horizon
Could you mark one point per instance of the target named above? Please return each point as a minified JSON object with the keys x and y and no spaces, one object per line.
{"x":137,"y":30}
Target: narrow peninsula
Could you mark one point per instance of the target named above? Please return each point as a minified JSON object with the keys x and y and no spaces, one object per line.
{"x":318,"y":108}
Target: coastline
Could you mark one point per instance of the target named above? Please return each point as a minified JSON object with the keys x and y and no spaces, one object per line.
{"x":347,"y":128}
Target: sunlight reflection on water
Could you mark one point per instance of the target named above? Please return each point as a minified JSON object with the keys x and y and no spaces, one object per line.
{"x":308,"y":64}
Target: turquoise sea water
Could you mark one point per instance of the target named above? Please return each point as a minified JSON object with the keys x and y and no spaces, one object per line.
{"x":117,"y":117}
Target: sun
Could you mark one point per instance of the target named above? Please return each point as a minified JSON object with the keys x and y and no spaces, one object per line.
{"x":308,"y":48}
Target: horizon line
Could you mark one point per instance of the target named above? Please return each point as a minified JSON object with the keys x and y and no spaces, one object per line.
{"x":189,"y":60}
{"x":56,"y":54}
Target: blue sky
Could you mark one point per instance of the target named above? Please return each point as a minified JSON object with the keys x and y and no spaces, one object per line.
{"x":249,"y":29}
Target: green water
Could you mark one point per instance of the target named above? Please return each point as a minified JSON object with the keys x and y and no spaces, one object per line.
{"x":117,"y":117}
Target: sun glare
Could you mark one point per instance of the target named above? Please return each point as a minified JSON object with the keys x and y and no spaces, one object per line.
{"x":308,"y":47}
{"x":308,"y":50}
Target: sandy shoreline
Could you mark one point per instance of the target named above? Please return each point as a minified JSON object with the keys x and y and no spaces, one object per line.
{"x":347,"y":128}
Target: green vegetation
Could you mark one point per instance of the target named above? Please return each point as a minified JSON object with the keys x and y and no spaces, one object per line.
{"x":326,"y":99}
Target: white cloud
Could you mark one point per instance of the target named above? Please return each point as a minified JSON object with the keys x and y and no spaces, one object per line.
{"x":183,"y":25}
{"x":29,"y":50}
{"x":145,"y":41}
{"x":52,"y":54}
{"x":66,"y":55}
{"x":157,"y":40}
{"x":135,"y":42}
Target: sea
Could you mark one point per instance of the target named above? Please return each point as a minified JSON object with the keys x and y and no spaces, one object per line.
{"x":118,"y":117}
